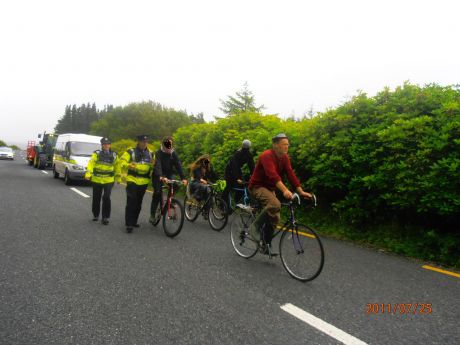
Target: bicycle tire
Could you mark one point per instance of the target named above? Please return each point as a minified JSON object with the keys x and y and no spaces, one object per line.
{"x":302,"y":253}
{"x":158,"y":214}
{"x":243,"y":244}
{"x":218,"y":214}
{"x":175,"y":218}
{"x":191,"y":209}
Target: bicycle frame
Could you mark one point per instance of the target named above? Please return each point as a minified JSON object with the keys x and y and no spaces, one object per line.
{"x":232,"y":202}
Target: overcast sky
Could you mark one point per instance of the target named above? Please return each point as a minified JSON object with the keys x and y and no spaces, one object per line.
{"x":189,"y":54}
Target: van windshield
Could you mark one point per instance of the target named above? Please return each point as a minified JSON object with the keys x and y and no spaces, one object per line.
{"x":83,"y":149}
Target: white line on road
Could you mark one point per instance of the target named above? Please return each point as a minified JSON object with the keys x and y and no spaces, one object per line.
{"x":323,"y":326}
{"x":78,"y":192}
{"x":43,"y":171}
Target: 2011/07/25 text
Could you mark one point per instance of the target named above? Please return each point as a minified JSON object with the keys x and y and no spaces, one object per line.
{"x":398,"y":308}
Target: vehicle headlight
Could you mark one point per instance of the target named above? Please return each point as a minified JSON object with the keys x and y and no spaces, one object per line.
{"x":78,"y":167}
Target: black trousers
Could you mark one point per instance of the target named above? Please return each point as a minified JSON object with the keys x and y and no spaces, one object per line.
{"x":100,"y":189}
{"x":157,"y":193}
{"x":134,"y":197}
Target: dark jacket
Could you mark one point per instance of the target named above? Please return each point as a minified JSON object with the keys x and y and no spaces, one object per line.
{"x":165,"y":164}
{"x":239,"y":159}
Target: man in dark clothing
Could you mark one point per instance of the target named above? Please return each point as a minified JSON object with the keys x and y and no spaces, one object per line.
{"x":166,"y":160}
{"x":233,"y":170}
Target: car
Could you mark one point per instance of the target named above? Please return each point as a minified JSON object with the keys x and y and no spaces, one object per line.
{"x":6,"y":153}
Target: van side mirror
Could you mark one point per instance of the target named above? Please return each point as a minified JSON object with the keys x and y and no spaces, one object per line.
{"x":39,"y":136}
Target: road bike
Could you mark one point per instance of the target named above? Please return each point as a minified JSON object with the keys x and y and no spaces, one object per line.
{"x":213,"y":208}
{"x":300,"y":248}
{"x":170,"y":209}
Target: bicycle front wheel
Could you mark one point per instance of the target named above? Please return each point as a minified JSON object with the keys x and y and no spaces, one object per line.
{"x":157,"y":216}
{"x":192,"y":209}
{"x":173,"y":218}
{"x":243,"y":244}
{"x":218,"y":214}
{"x":302,"y":253}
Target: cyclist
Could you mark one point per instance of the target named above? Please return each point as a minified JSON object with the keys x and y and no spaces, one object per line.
{"x":266,"y":180}
{"x":233,"y":172}
{"x":166,"y":160}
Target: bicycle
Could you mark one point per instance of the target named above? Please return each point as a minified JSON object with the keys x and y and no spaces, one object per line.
{"x":233,"y":201}
{"x":300,"y":248}
{"x":213,"y":209}
{"x":170,"y":209}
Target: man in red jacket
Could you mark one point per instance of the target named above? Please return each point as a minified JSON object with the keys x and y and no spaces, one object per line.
{"x":267,"y":178}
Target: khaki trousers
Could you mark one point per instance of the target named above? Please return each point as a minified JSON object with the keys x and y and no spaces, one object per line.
{"x":270,"y":203}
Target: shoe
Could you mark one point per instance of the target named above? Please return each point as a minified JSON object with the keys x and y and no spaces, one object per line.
{"x":264,"y":249}
{"x":129,"y":229}
{"x":95,"y":219}
{"x":105,"y":221}
{"x":137,"y":226}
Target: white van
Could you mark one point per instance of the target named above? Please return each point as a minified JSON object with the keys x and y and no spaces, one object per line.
{"x":72,"y":154}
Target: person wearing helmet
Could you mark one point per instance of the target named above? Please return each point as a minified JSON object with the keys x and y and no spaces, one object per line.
{"x":267,"y":178}
{"x":166,"y":161}
{"x":233,"y":169}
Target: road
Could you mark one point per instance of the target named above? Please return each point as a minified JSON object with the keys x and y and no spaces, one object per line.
{"x":67,"y":280}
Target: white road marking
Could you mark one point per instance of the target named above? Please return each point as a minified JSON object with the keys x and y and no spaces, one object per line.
{"x":78,"y":192}
{"x":43,"y":171}
{"x":323,"y":326}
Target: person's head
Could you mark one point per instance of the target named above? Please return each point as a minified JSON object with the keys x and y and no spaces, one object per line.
{"x":142,"y":141}
{"x":167,"y":143}
{"x":203,"y":161}
{"x":246,"y":145}
{"x":105,"y":143}
{"x":280,"y":144}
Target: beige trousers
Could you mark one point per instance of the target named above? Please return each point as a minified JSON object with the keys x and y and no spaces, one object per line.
{"x":270,"y":203}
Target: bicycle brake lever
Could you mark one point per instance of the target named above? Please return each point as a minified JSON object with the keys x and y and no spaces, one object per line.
{"x":295,"y":195}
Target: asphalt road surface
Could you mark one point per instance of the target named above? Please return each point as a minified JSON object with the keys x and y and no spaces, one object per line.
{"x":67,"y":280}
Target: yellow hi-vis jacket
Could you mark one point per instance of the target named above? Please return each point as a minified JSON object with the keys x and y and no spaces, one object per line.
{"x":104,"y":167}
{"x":143,"y":160}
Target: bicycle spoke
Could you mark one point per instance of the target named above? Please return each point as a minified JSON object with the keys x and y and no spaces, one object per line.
{"x":241,"y":241}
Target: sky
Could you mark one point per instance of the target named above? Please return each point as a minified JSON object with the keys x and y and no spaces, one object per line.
{"x":294,"y":55}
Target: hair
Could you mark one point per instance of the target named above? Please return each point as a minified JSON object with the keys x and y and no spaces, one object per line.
{"x":197,"y":163}
{"x":167,"y":138}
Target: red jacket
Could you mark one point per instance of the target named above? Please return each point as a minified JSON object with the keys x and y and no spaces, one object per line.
{"x":270,"y":169}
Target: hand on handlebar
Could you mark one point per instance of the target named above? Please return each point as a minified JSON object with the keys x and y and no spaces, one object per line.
{"x":287,"y":194}
{"x":184,"y":182}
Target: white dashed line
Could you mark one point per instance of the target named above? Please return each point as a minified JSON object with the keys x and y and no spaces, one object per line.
{"x":43,"y":171}
{"x":323,"y":326}
{"x":78,"y":192}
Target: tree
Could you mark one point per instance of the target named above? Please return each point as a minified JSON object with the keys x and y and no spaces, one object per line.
{"x":242,"y":102}
{"x":2,"y":143}
{"x":79,"y":119}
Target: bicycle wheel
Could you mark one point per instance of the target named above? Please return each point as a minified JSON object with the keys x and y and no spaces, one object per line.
{"x":191,"y":209}
{"x":173,"y":218}
{"x":239,"y":232}
{"x":302,"y":253}
{"x":157,"y":216}
{"x":218,"y":214}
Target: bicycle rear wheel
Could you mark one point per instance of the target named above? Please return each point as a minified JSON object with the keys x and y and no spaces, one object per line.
{"x":157,"y":216}
{"x":302,"y":253}
{"x":192,"y":209}
{"x":218,"y":214}
{"x":243,"y":244}
{"x":173,"y":218}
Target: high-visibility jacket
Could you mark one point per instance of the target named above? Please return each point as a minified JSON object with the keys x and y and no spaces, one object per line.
{"x":139,"y":175}
{"x":103,"y":167}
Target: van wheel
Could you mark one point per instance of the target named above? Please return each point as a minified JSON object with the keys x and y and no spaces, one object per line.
{"x":55,"y":173}
{"x":67,"y":180}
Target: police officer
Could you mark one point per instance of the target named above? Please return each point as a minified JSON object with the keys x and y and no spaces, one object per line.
{"x":103,"y":169}
{"x":166,"y":160}
{"x":139,"y":162}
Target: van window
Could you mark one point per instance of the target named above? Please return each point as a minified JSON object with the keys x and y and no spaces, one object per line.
{"x":83,"y":149}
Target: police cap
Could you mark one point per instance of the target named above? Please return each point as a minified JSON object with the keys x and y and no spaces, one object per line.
{"x":142,"y":137}
{"x":105,"y":141}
